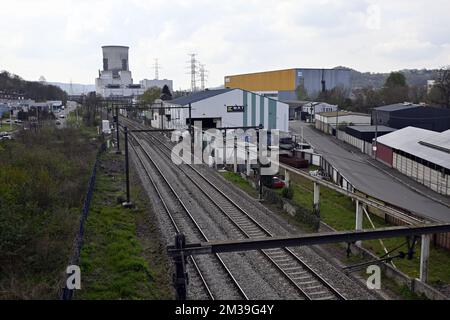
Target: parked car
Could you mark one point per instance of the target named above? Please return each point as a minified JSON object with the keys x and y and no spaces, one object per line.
{"x":6,"y":137}
{"x":62,"y":116}
{"x":58,"y":122}
{"x":277,"y":182}
{"x":273,"y":181}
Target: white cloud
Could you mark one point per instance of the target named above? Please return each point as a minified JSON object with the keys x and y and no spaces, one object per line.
{"x":62,"y":39}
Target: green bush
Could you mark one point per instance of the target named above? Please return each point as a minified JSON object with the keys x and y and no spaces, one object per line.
{"x":43,"y":180}
{"x":288,"y":192}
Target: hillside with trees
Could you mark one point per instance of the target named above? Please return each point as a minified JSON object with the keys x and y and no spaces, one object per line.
{"x":396,"y":87}
{"x":12,"y":84}
{"x":414,"y":77}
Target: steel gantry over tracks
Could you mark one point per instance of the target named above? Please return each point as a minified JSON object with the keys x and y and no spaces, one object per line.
{"x":181,"y":250}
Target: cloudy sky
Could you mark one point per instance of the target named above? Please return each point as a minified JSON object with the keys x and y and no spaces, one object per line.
{"x":62,"y":39}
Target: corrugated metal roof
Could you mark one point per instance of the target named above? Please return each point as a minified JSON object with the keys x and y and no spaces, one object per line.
{"x":372,"y":128}
{"x":342,"y":113}
{"x":397,"y":106}
{"x":408,"y":140}
{"x":439,"y":141}
{"x":197,"y":96}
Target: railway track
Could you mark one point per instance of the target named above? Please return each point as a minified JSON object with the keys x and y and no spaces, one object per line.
{"x":177,"y":217}
{"x":310,"y":284}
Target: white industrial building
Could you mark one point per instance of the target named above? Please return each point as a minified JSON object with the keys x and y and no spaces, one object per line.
{"x":115,"y":79}
{"x":224,"y":108}
{"x":313,"y":108}
{"x":159,"y":83}
{"x":327,"y":121}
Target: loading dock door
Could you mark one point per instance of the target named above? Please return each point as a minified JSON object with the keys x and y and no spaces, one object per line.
{"x":207,"y":123}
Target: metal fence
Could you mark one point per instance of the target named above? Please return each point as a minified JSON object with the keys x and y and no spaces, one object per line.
{"x":67,"y":293}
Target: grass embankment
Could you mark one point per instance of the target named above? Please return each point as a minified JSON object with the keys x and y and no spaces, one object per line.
{"x":120,"y":242}
{"x":240,"y":182}
{"x":6,"y":127}
{"x":338,"y":211}
{"x":43,"y":180}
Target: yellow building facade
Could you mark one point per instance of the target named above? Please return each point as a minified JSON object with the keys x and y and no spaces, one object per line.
{"x":279,"y":80}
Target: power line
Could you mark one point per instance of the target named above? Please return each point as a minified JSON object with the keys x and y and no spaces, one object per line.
{"x":193,"y":66}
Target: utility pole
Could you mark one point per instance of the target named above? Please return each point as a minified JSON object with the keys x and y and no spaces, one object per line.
{"x":128,"y":203}
{"x":376,"y":133}
{"x":193,"y":65}
{"x":259,"y":163}
{"x":117,"y":131}
{"x":337,"y":120}
{"x":190,"y":131}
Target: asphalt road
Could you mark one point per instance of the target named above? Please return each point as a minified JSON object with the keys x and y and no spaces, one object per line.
{"x":369,"y":179}
{"x":69,"y":108}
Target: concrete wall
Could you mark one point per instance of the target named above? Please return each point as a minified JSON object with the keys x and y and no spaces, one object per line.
{"x":114,"y":56}
{"x":363,"y":146}
{"x":156,"y":83}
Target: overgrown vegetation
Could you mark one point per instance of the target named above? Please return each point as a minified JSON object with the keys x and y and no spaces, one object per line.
{"x":240,"y":182}
{"x":43,"y":180}
{"x":374,"y":90}
{"x":288,"y":192}
{"x":113,"y":262}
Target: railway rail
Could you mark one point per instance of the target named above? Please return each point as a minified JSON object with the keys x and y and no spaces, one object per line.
{"x":176,"y":219}
{"x":300,"y":275}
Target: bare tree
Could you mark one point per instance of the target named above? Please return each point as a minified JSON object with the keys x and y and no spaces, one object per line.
{"x":443,"y":84}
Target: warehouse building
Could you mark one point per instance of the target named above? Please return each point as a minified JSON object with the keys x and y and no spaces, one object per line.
{"x":421,"y":154}
{"x":402,"y":115}
{"x":159,"y":83}
{"x":362,"y":137}
{"x":223,"y":108}
{"x":312,"y":108}
{"x":282,"y":84}
{"x":326,"y":121}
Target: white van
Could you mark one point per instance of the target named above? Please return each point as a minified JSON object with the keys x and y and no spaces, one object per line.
{"x":106,"y":127}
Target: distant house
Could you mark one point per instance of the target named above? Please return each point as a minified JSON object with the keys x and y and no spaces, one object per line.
{"x":313,"y":108}
{"x":402,"y":115}
{"x":326,"y":121}
{"x":306,"y":110}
